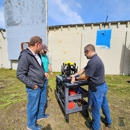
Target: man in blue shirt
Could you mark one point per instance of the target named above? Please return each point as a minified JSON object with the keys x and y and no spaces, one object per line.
{"x":45,"y":60}
{"x":95,"y":74}
{"x":47,"y":68}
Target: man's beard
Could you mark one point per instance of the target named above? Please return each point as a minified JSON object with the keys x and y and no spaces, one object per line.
{"x":87,"y":57}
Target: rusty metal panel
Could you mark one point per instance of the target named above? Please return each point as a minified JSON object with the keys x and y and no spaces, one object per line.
{"x":24,"y":19}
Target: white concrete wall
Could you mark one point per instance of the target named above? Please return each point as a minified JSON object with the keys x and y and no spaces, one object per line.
{"x":4,"y":62}
{"x":67,"y":43}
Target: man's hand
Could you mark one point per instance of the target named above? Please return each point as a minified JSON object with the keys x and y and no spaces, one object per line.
{"x":35,"y":87}
{"x":72,"y":79}
{"x":47,"y":76}
{"x":72,"y":76}
{"x":51,"y":73}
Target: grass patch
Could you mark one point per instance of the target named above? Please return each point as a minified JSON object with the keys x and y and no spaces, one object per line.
{"x":13,"y":104}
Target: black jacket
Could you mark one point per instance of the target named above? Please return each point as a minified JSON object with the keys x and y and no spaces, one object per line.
{"x":29,"y":71}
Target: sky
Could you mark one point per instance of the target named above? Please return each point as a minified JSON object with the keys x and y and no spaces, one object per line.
{"x":64,"y":12}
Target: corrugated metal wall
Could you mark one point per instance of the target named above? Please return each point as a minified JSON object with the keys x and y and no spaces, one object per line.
{"x":67,"y":43}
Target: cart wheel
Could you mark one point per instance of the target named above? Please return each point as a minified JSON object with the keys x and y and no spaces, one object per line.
{"x":67,"y":118}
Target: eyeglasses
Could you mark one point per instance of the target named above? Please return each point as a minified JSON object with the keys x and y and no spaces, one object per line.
{"x":86,"y":51}
{"x":40,"y":44}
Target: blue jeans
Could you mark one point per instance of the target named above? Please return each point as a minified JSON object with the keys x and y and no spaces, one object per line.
{"x":98,"y":100}
{"x":36,"y":103}
{"x":43,"y":100}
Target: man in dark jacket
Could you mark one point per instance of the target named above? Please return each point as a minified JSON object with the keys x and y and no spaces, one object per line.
{"x":30,"y":71}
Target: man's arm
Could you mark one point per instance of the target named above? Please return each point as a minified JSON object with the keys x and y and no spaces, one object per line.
{"x":81,"y":77}
{"x":50,"y":69}
{"x":79,"y":72}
